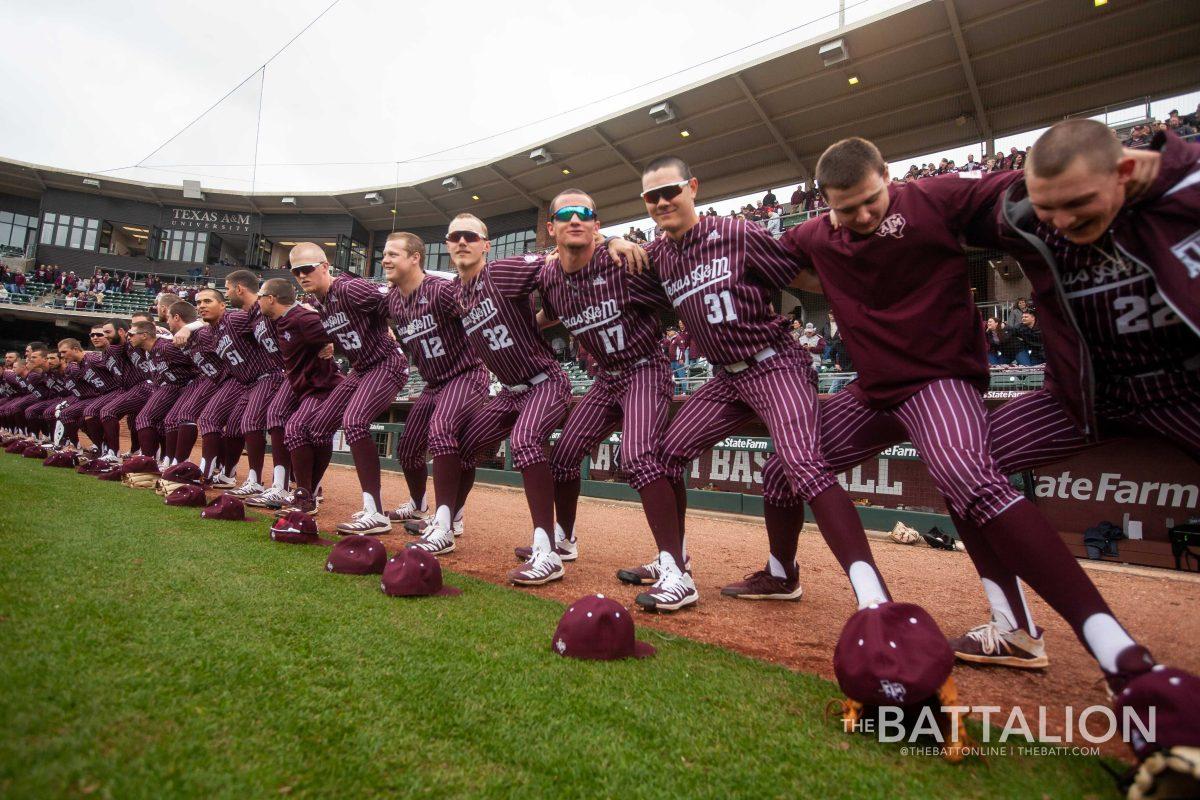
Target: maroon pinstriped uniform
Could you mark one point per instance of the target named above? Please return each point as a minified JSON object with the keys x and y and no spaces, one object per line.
{"x":613,"y":315}
{"x":137,"y":373}
{"x":310,"y":379}
{"x":456,"y":382}
{"x":354,"y":314}
{"x":174,"y":370}
{"x":721,"y":277}
{"x":254,"y":334}
{"x":902,"y":298}
{"x":98,"y":372}
{"x":52,"y":393}
{"x":501,"y":325}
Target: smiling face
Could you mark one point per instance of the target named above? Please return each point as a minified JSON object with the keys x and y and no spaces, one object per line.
{"x":1081,"y":201}
{"x":575,"y":233}
{"x":672,"y":214}
{"x":862,"y":206}
{"x":398,"y":262}
{"x":210,"y":305}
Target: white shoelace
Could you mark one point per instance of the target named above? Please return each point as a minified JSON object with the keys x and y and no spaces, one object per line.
{"x":988,"y":636}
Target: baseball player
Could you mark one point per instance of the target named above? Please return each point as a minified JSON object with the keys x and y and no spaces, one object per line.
{"x":720,"y":274}
{"x":12,"y":410}
{"x":85,"y":379}
{"x":932,"y":384}
{"x":499,"y":321}
{"x":39,"y":415}
{"x":425,"y":309}
{"x":35,"y":391}
{"x":173,"y":370}
{"x":107,"y":369}
{"x":613,"y":314}
{"x":133,"y":366}
{"x":301,"y":337}
{"x":354,"y":313}
{"x":181,"y":422}
{"x":1111,"y":295}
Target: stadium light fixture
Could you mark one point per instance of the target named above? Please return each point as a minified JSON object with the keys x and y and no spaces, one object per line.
{"x":452,"y":184}
{"x":287,"y":201}
{"x":663,"y":112}
{"x":540,"y":156}
{"x":475,"y":197}
{"x":834,"y":52}
{"x":566,"y":171}
{"x":374,"y":198}
{"x":1101,"y":3}
{"x":91,"y":182}
{"x":853,"y":80}
{"x":192,"y":190}
{"x":685,"y":133}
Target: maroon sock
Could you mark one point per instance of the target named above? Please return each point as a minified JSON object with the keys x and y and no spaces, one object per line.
{"x":416,"y":478}
{"x":658,"y":501}
{"x":280,"y":455}
{"x":843,"y":530}
{"x":366,"y":464}
{"x":94,"y":430}
{"x":987,"y":564}
{"x":1024,"y":543}
{"x":148,"y":440}
{"x":256,"y":452}
{"x":539,"y":494}
{"x":210,"y":452}
{"x":302,"y":467}
{"x":566,"y":503}
{"x":112,"y":434}
{"x":465,"y":482}
{"x":447,"y":476}
{"x":185,"y":442}
{"x":231,"y":452}
{"x":783,"y":533}
{"x":71,"y":433}
{"x":679,"y":487}
{"x":321,"y":458}
{"x":171,"y":443}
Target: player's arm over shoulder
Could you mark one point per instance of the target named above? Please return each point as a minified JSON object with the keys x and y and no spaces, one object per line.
{"x":797,"y":240}
{"x":517,"y":277}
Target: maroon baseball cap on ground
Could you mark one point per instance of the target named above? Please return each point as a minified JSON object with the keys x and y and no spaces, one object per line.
{"x":186,"y":495}
{"x":108,"y":472}
{"x":88,"y":468}
{"x":414,"y":573}
{"x":225,"y":507}
{"x":63,"y":458}
{"x":1174,"y":696}
{"x":16,"y":446}
{"x":892,"y":654}
{"x":598,"y":628}
{"x":296,"y":527}
{"x":183,"y":472}
{"x":357,"y":555}
{"x":140,"y":464}
{"x":34,"y":451}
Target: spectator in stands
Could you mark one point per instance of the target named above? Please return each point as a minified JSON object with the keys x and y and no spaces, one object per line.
{"x":999,"y":351}
{"x":1193,"y":118}
{"x":19,"y":283}
{"x":831,"y":334}
{"x":1139,"y":136}
{"x":769,"y":199}
{"x":3,"y":294}
{"x":1015,"y":313}
{"x":676,"y":346}
{"x":811,"y":341}
{"x":797,"y":199}
{"x":1028,"y":336}
{"x":774,"y":223}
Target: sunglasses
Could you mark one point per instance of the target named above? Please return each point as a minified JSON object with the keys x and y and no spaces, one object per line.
{"x":304,"y":269}
{"x":668,"y":192}
{"x":565,"y":214}
{"x":96,"y":335}
{"x":470,"y":237}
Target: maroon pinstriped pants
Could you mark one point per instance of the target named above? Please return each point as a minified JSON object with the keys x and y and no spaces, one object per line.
{"x":250,"y":413}
{"x":217,"y":416}
{"x":298,"y":431}
{"x":1033,"y":430}
{"x":780,"y":391}
{"x":530,"y":416}
{"x":127,"y":401}
{"x":282,"y":405}
{"x":158,"y":405}
{"x":190,"y":403}
{"x":437,"y":421}
{"x":359,"y":399}
{"x":93,"y":405}
{"x":72,"y":414}
{"x":637,"y":400}
{"x":948,"y":424}
{"x":39,"y":409}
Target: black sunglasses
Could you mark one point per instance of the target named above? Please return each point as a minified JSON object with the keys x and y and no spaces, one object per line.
{"x":471,"y":237}
{"x":565,"y":214}
{"x":668,"y":192}
{"x":304,"y":269}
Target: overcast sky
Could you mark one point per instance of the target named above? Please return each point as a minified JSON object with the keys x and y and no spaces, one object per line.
{"x":101,"y":86}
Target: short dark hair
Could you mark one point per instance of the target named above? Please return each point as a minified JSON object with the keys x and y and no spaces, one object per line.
{"x":572,"y":191}
{"x":846,"y":162}
{"x":411,"y":242}
{"x":71,"y":344}
{"x":38,"y":347}
{"x":281,"y":289}
{"x":136,"y":314}
{"x":182,"y":309}
{"x":673,"y":162}
{"x":220,"y":296}
{"x":146,"y":327}
{"x":244,"y":278}
{"x":118,"y":324}
{"x":1056,"y":149}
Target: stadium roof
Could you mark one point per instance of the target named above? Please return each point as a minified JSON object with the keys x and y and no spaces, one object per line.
{"x":932,"y":75}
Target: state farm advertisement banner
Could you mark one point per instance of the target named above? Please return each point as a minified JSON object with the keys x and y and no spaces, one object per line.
{"x":1143,"y":486}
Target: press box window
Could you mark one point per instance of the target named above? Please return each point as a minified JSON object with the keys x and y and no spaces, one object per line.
{"x":187,"y":246}
{"x":16,"y":231}
{"x":64,"y":230}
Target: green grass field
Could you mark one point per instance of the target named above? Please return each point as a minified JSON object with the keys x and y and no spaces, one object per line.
{"x":149,"y":653}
